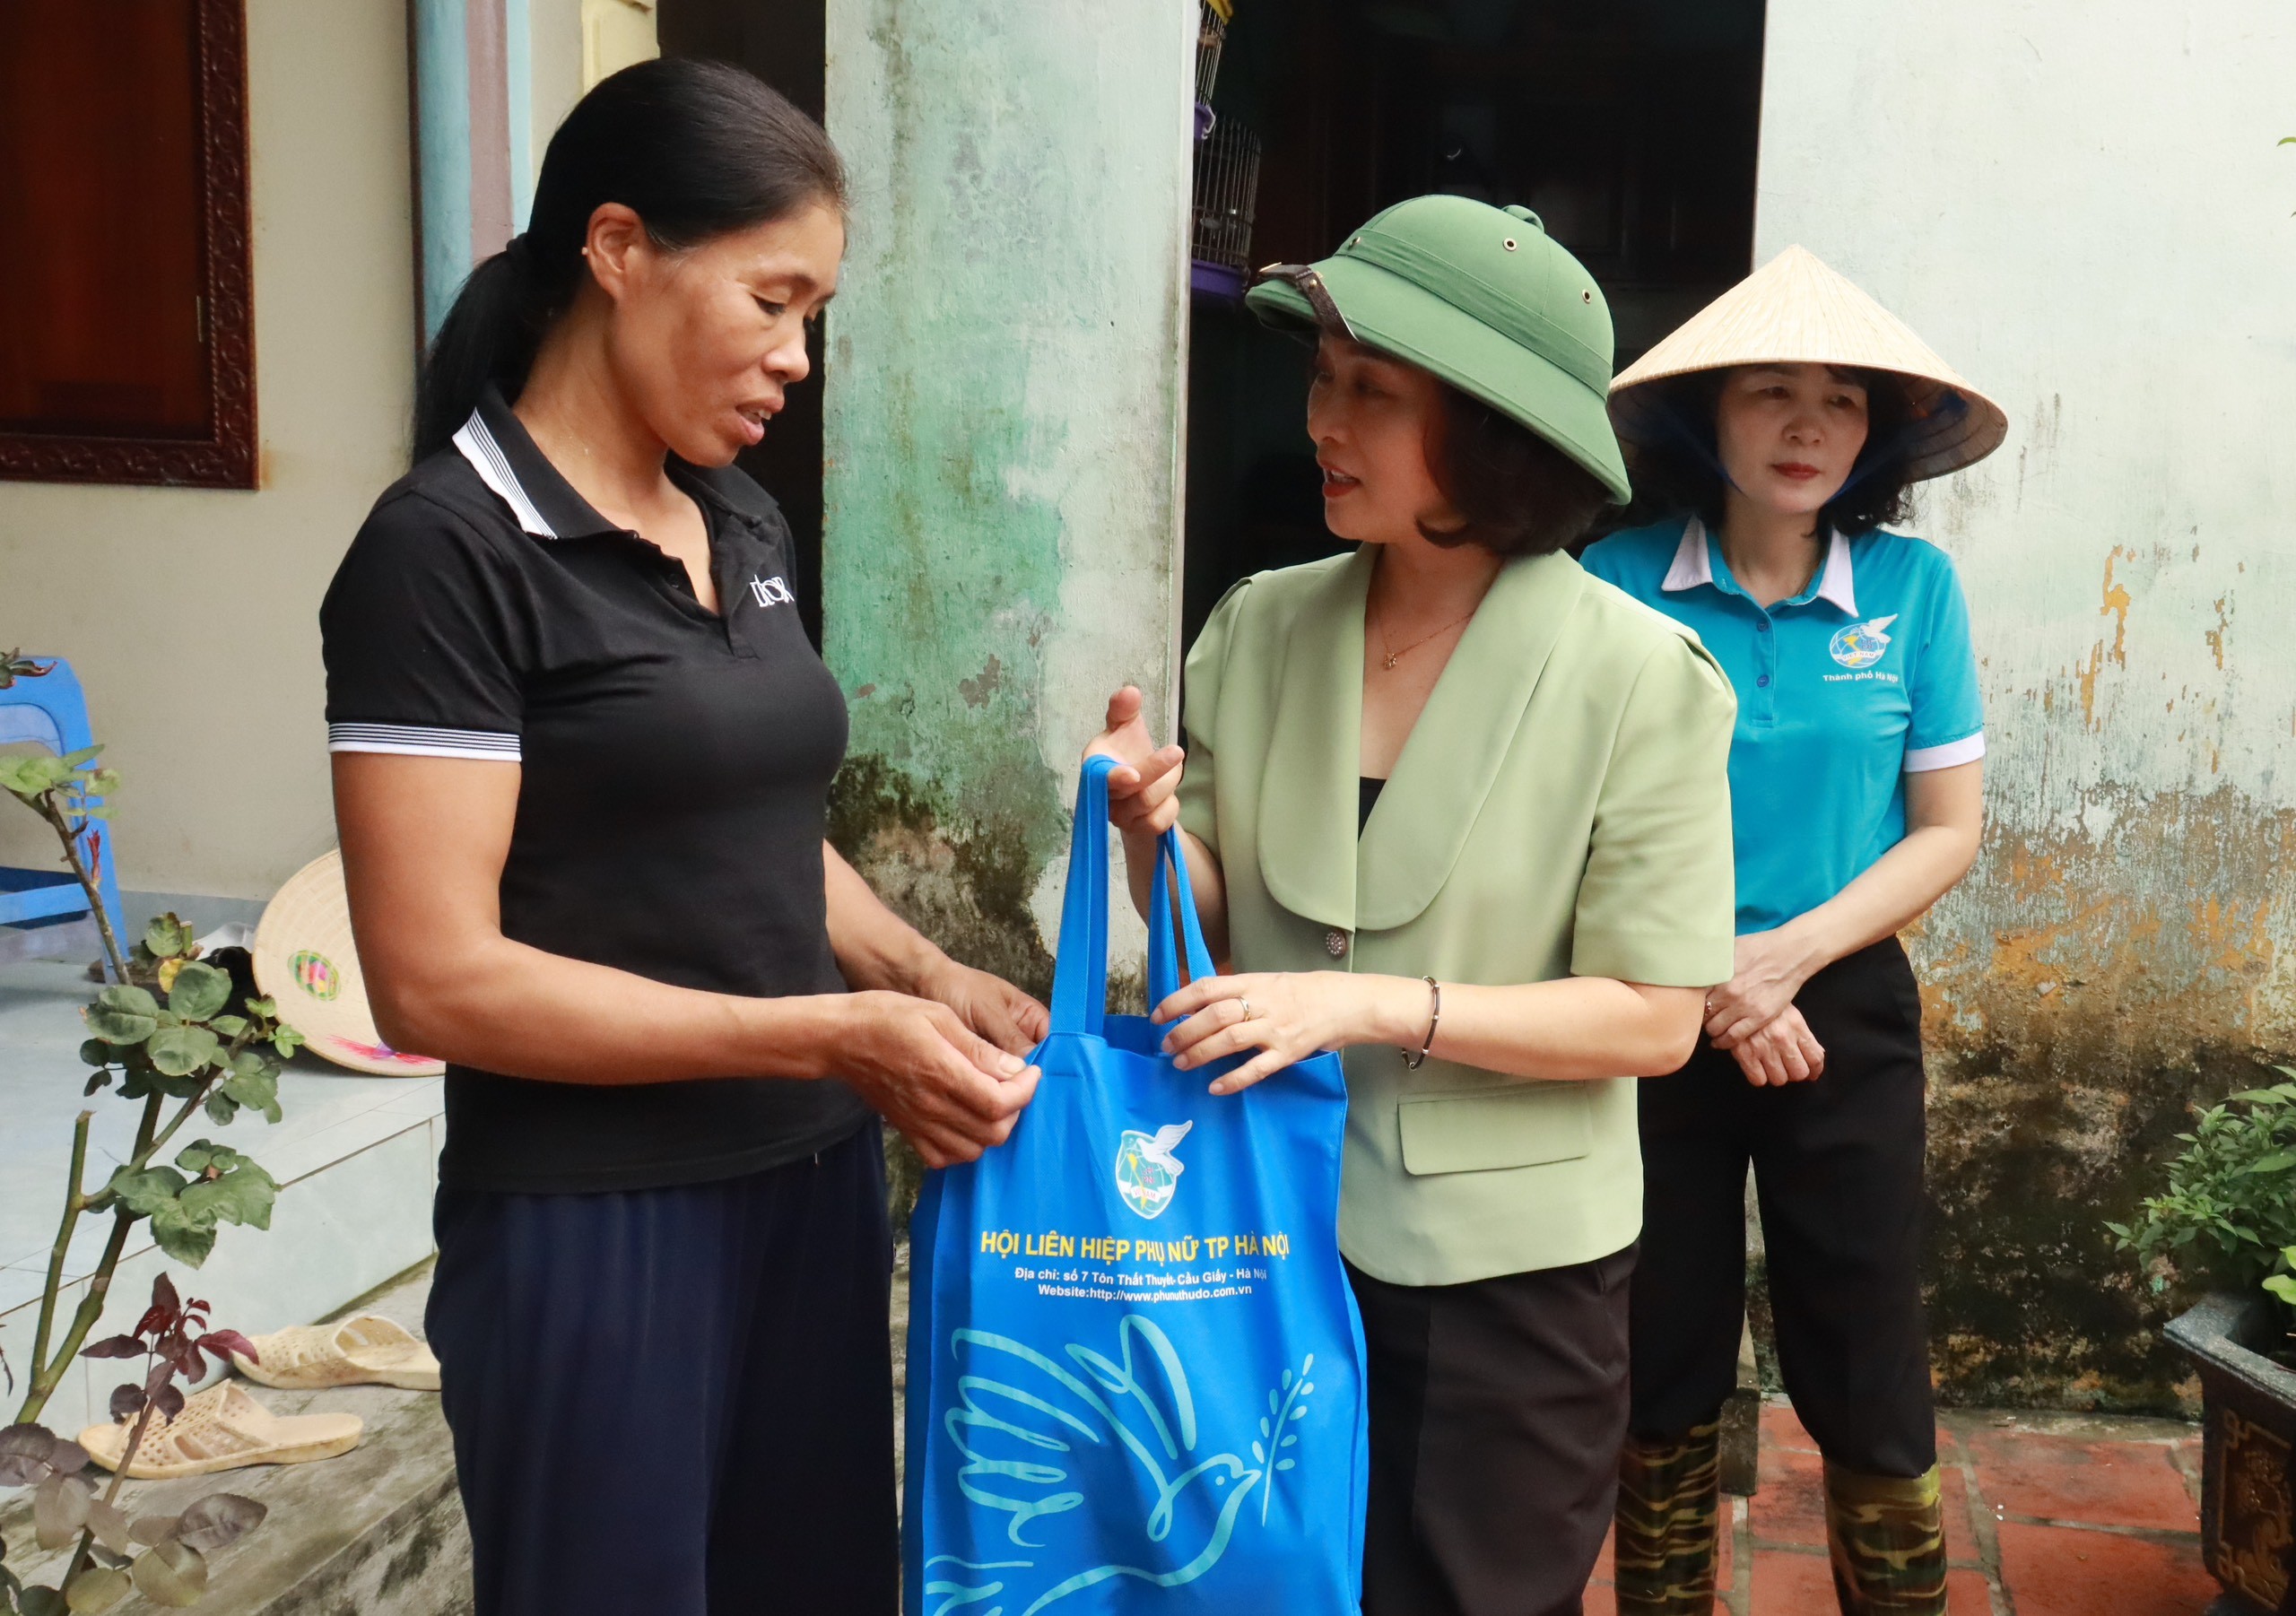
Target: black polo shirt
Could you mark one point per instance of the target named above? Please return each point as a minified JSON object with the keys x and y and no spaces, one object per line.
{"x":675,"y":763}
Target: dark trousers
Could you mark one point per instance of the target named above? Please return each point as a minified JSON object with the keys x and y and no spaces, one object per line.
{"x":675,"y":1401}
{"x":1837,"y":1166}
{"x":1497,"y":1411}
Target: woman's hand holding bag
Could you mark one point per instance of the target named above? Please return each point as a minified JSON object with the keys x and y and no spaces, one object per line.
{"x":952,"y":1091}
{"x":1144,"y":789}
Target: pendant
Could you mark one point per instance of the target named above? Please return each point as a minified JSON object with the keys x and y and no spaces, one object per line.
{"x":1391,"y":663}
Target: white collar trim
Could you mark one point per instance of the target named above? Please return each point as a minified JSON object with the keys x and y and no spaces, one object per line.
{"x":1693,"y":565}
{"x":486,"y":458}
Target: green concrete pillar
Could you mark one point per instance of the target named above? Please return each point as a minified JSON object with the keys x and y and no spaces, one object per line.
{"x":1003,"y":447}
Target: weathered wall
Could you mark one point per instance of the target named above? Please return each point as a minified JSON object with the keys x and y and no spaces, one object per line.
{"x":1003,"y":433}
{"x":2083,"y":207}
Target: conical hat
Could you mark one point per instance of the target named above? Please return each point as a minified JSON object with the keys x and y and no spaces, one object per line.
{"x":304,"y":961}
{"x":1795,"y":310}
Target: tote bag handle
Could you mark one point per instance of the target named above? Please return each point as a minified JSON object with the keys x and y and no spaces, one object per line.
{"x":1080,"y":975}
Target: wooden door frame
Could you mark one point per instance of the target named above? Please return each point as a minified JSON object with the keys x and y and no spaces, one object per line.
{"x":225,"y":456}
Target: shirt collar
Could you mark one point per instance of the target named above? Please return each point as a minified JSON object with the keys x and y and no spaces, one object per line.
{"x":507,"y":459}
{"x":1693,"y":565}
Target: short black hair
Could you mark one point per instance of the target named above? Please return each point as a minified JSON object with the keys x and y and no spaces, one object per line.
{"x":1677,"y":471}
{"x":1520,"y":495}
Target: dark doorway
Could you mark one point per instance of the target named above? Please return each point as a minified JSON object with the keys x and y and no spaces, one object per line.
{"x":784,"y":43}
{"x":1628,"y":125}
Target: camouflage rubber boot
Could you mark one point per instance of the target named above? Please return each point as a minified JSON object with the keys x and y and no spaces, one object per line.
{"x":1669,"y":1524}
{"x":1887,"y":1535}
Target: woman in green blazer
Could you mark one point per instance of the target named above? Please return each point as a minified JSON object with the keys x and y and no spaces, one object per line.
{"x":1460,"y":810}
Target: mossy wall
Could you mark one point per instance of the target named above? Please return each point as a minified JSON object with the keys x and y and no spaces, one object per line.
{"x":1002,"y":457}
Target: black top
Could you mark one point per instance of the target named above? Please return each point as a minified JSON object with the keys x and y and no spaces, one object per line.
{"x":1367,"y":798}
{"x":676,"y":767}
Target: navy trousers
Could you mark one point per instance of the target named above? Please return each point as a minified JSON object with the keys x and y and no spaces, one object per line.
{"x":675,"y":1401}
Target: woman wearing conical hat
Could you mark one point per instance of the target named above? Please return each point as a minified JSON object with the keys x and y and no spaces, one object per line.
{"x":1784,"y":425}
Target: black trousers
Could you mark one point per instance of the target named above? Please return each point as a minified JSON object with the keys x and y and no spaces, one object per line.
{"x":1838,"y":1169}
{"x":1497,"y":1411}
{"x":675,"y":1401}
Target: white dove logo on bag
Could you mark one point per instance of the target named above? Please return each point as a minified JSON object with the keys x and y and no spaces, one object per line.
{"x":1146,"y":1170}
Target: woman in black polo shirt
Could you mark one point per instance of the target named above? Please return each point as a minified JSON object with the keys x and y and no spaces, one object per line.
{"x":582,"y":749}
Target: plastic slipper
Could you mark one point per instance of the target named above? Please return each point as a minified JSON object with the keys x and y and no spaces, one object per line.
{"x":222,"y":1429}
{"x":363,"y":1349}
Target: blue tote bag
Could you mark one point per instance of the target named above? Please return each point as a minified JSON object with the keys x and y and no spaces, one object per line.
{"x":1136,"y":1368}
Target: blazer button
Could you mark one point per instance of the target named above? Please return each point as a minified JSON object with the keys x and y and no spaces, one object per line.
{"x":1335,"y":943}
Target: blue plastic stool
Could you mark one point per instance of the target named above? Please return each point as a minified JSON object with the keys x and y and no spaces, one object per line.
{"x":50,"y":710}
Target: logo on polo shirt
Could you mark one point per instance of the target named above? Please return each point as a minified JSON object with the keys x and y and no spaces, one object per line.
{"x":1861,"y":645}
{"x":1146,"y":1170}
{"x":771,"y":592}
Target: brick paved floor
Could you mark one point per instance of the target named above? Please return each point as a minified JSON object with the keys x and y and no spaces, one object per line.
{"x":2045,"y":1515}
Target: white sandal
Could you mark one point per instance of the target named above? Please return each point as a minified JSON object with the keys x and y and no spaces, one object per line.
{"x":363,"y":1349}
{"x":222,"y":1429}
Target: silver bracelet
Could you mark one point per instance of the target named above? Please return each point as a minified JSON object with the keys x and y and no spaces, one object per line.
{"x":1434,"y":1020}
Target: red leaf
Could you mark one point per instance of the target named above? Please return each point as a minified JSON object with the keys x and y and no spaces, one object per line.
{"x":180,"y":1352}
{"x":169,"y":1401}
{"x":223,"y":1343}
{"x":161,"y":1373}
{"x":115,"y":1346}
{"x":127,"y":1402}
{"x":163,"y":1294}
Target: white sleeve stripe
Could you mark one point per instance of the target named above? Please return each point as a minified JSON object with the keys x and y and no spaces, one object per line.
{"x":423,"y":751}
{"x":423,"y":740}
{"x":1921,"y":760}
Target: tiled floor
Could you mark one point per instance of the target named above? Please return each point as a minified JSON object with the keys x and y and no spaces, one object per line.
{"x":2045,"y":1515}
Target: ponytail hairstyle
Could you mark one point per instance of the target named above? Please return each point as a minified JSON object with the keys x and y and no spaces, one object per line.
{"x":695,"y":149}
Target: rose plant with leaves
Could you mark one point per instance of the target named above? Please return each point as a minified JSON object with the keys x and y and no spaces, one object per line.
{"x":163,"y":1556}
{"x":176,"y":1034}
{"x":179,"y":1036}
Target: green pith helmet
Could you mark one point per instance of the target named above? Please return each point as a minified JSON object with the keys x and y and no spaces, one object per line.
{"x":1479,"y":297}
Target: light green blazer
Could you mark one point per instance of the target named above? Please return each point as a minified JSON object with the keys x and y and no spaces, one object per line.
{"x":1561,"y":808}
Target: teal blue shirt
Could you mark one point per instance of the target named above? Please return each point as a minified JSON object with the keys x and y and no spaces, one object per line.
{"x":1865,"y":677}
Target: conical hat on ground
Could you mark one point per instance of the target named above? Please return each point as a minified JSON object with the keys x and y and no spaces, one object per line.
{"x":1796,"y":311}
{"x":304,"y":961}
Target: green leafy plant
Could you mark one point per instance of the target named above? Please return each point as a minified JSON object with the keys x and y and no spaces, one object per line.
{"x":2282,"y":1284}
{"x":2229,"y":1213}
{"x":176,"y":1034}
{"x":179,"y":1037}
{"x":68,"y":792}
{"x":163,"y":1556}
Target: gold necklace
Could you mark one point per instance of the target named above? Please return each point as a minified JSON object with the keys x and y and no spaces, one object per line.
{"x":1389,"y":656}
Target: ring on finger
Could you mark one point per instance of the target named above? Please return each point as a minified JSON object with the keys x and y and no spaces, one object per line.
{"x":1249,"y":1013}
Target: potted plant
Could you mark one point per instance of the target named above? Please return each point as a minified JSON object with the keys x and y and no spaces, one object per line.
{"x":2228,"y":1220}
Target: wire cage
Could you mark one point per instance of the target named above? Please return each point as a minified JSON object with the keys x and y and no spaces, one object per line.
{"x":1212,"y":34}
{"x":1227,"y":186}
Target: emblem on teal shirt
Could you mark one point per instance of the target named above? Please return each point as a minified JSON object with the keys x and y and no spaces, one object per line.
{"x":1861,"y":645}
